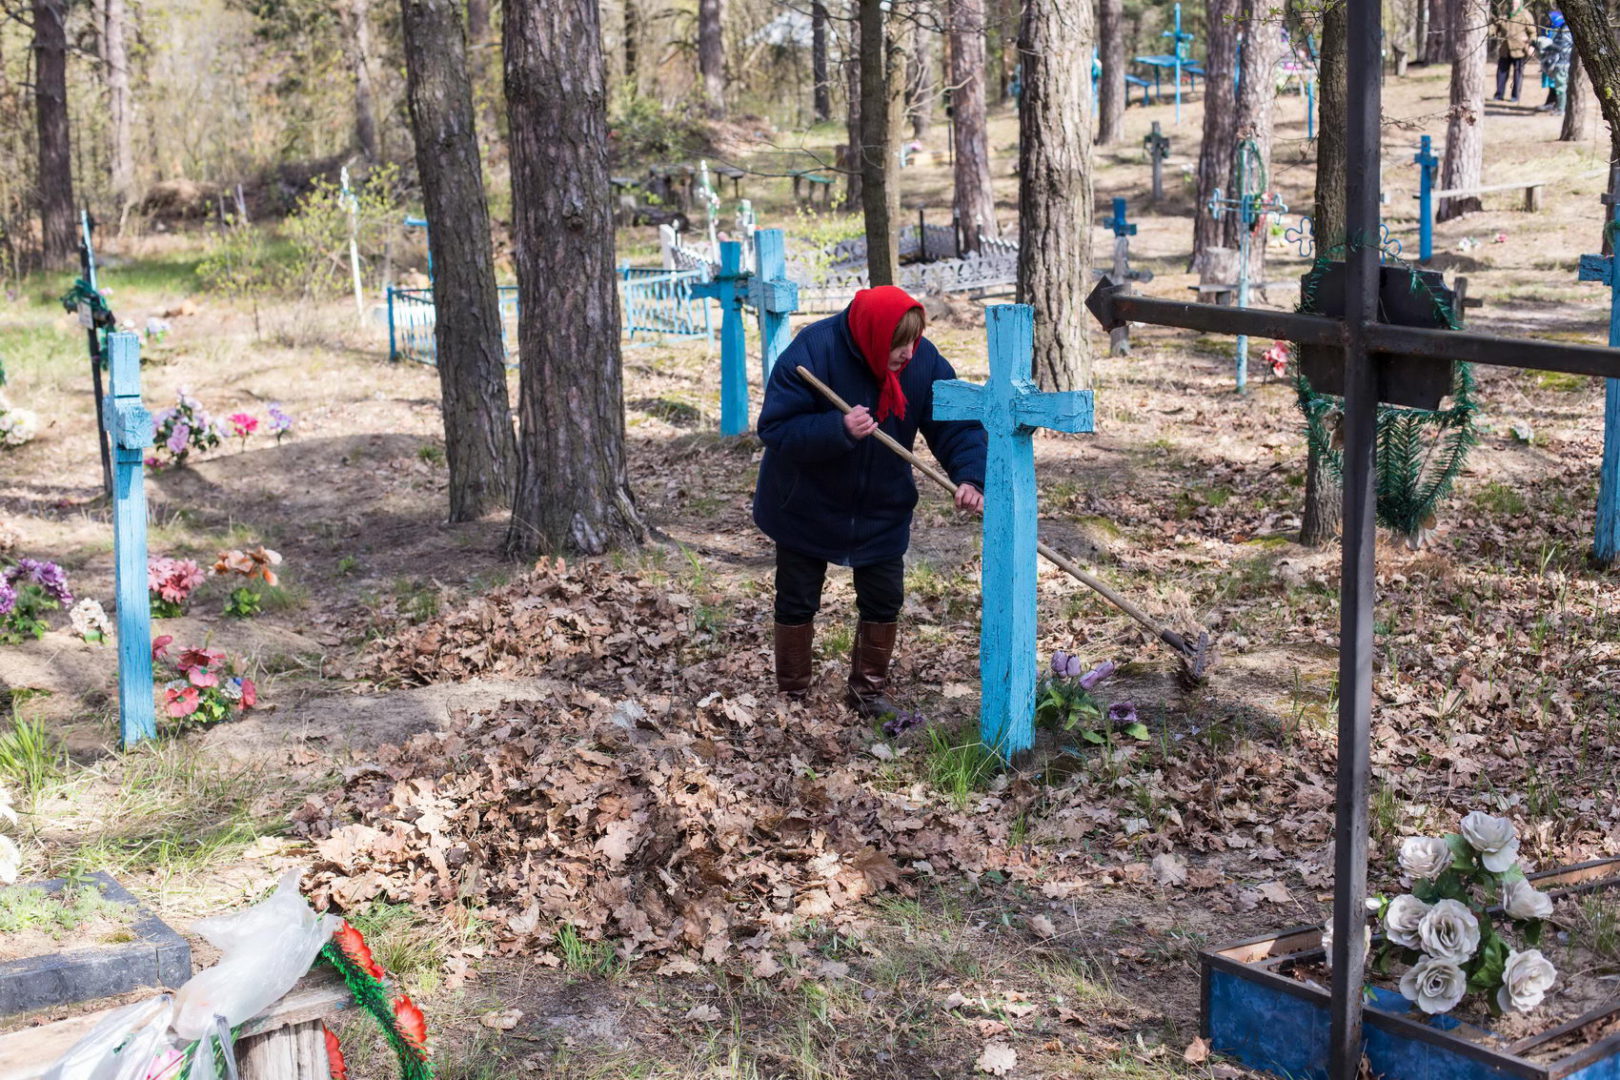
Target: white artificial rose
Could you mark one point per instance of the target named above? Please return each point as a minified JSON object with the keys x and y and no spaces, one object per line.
{"x":1449,"y":931}
{"x":1425,"y":857}
{"x":1494,"y":838}
{"x":1522,"y":900}
{"x":1436,"y":985}
{"x":1402,"y":918}
{"x":1525,"y":980}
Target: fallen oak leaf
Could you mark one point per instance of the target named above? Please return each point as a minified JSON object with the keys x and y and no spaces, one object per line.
{"x":997,"y":1059}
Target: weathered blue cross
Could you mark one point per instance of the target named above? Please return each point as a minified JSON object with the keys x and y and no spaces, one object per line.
{"x":772,"y":295}
{"x":130,"y":427}
{"x":1010,"y":408}
{"x":1426,"y":163}
{"x":1606,"y":546}
{"x":1119,"y":339}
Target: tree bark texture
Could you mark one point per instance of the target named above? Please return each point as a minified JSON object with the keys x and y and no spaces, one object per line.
{"x":882,"y":97}
{"x":573,"y":492}
{"x":974,"y":198}
{"x":712,"y":56}
{"x":632,"y":45}
{"x":1442,"y":15}
{"x":1111,"y":87}
{"x":1319,"y":520}
{"x":1464,"y":161}
{"x":1578,"y":110}
{"x":1054,"y":187}
{"x":853,"y":168}
{"x":1591,"y":25}
{"x":478,"y":21}
{"x":365,"y":109}
{"x":1215,"y":151}
{"x":55,"y":176}
{"x":1420,"y":51}
{"x":115,"y":53}
{"x":1256,"y":99}
{"x":821,"y":90}
{"x":479,"y":447}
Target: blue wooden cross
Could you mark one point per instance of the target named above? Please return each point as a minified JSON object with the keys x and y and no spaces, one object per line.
{"x":1010,"y":408}
{"x":1606,"y":545}
{"x":773,"y":296}
{"x":1119,"y":338}
{"x":130,"y":427}
{"x":1426,"y":163}
{"x":730,"y":288}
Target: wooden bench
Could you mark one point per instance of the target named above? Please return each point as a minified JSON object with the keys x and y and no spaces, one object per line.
{"x":1532,"y":192}
{"x":285,"y":1042}
{"x":1137,"y":80}
{"x":816,"y":181}
{"x":735,"y":175}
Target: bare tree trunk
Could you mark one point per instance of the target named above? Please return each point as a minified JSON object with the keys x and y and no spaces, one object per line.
{"x":479,"y":447}
{"x":1420,"y":34}
{"x":1465,"y":124}
{"x":632,"y":46}
{"x":975,"y":199}
{"x":365,"y":111}
{"x":821,"y":92}
{"x":920,"y":86}
{"x":573,"y":492}
{"x":882,"y":89}
{"x":712,"y":56}
{"x":55,"y":177}
{"x":1111,"y":89}
{"x":1054,"y":187}
{"x":853,"y":163}
{"x":119,"y":104}
{"x":1319,"y":522}
{"x":1256,"y":98}
{"x":1215,"y":151}
{"x":478,"y":21}
{"x":1442,"y":14}
{"x":1591,"y":26}
{"x":1578,"y":109}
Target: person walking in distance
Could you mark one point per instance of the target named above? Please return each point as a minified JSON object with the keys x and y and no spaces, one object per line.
{"x":1517,"y":32}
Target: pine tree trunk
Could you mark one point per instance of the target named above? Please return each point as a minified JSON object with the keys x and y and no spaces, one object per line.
{"x":1441,"y":16}
{"x":852,"y":164}
{"x":1319,"y":522}
{"x":1464,"y":162}
{"x":882,"y":67}
{"x":1054,"y":187}
{"x":920,"y":88}
{"x":712,"y":56}
{"x":119,"y":104}
{"x":1256,"y":100}
{"x":479,"y":446}
{"x":1111,"y":88}
{"x":822,"y":91}
{"x":632,"y":46}
{"x":573,"y":493}
{"x":1215,"y":152}
{"x":1589,"y":24}
{"x":55,"y":177}
{"x":1578,"y":110}
{"x":1420,"y":35}
{"x":478,"y":22}
{"x":974,"y":198}
{"x":365,"y":110}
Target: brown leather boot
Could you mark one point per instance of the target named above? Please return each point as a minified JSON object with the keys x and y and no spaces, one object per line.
{"x":794,"y":658}
{"x":869,"y":669}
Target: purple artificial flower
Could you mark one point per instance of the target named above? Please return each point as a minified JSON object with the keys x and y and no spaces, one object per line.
{"x":161,"y":417}
{"x":280,"y":422}
{"x":47,"y":575}
{"x":1090,"y":679}
{"x":1065,"y":665}
{"x":1122,"y":713}
{"x":8,"y":596}
{"x":178,"y":438}
{"x":902,"y":722}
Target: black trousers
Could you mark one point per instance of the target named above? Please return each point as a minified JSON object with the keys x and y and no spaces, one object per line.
{"x":879,"y":587}
{"x":1505,"y":64}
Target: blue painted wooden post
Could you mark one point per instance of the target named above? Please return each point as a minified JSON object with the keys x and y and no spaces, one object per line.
{"x":1310,"y":110}
{"x":1119,"y":339}
{"x":1426,"y":163}
{"x":1010,"y":408}
{"x":1606,"y":544}
{"x":130,"y":427}
{"x":773,"y":296}
{"x":730,"y":288}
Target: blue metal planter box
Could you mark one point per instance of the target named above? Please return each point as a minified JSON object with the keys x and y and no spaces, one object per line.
{"x":1254,"y":1011}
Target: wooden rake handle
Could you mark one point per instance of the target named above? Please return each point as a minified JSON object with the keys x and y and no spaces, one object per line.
{"x":1056,"y":558}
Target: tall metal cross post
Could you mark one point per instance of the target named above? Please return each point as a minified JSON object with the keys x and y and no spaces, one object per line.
{"x":1251,"y":207}
{"x":1426,"y":163}
{"x":730,"y":288}
{"x":1606,"y":545}
{"x":1119,"y":340}
{"x":1375,"y":356}
{"x":1010,"y":408}
{"x":130,"y":427}
{"x":1180,"y":39}
{"x":1158,"y":148}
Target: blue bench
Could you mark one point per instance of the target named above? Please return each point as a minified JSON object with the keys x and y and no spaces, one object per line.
{"x":1137,"y":80}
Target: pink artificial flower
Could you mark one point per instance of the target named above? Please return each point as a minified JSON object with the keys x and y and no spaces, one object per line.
{"x":243,"y":424}
{"x":160,"y":647}
{"x":201,"y":676}
{"x":250,"y":694}
{"x":199,"y":658}
{"x":178,"y":703}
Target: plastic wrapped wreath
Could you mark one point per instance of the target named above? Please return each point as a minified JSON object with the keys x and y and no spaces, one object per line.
{"x":1448,"y":934}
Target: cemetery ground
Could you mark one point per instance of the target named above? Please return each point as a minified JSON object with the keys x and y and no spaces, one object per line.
{"x":949,"y":919}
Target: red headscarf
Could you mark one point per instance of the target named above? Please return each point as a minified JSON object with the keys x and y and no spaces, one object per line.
{"x":873,"y":316}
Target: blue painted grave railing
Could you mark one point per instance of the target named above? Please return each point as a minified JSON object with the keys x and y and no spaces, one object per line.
{"x":1606,"y":543}
{"x":412,"y":316}
{"x":129,"y":427}
{"x":659,"y":301}
{"x":1010,"y":408}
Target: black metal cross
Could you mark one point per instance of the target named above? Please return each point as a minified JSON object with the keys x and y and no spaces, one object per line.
{"x":1158,"y":148}
{"x":1379,"y":361}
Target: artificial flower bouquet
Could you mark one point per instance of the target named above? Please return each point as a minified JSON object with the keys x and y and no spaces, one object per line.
{"x":28,"y":589}
{"x":182,"y":428}
{"x":258,"y":564}
{"x":1066,"y":702}
{"x":170,"y":583}
{"x":206,"y":686}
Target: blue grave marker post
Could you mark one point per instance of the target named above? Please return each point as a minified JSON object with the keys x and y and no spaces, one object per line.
{"x":130,"y":427}
{"x":1180,"y":39}
{"x":1010,"y":408}
{"x":1606,"y":545}
{"x":730,"y":288}
{"x":1251,"y":206}
{"x":774,"y":297}
{"x":1119,"y":339}
{"x":1426,"y":163}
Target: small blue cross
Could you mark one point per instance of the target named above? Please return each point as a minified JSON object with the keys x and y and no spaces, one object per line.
{"x":129,"y":427}
{"x":1426,"y":163}
{"x":1010,"y":408}
{"x":1118,"y":223}
{"x":1606,"y":545}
